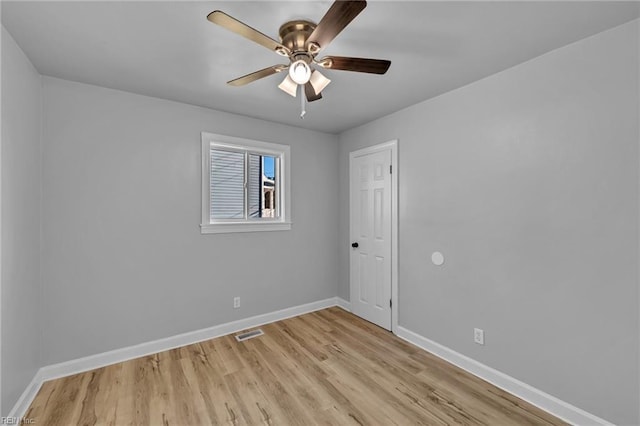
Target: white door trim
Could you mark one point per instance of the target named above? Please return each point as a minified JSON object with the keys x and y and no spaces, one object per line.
{"x":393,"y":145}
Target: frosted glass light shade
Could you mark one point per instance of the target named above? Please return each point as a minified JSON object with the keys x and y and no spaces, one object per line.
{"x":289,"y":86}
{"x":300,"y":72}
{"x":318,"y":81}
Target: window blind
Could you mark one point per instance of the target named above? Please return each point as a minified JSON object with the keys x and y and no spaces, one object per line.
{"x":226,"y":184}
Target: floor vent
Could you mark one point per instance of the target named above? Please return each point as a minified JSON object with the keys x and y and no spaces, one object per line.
{"x":248,"y":335}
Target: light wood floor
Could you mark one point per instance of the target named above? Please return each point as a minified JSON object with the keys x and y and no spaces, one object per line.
{"x":327,"y":367}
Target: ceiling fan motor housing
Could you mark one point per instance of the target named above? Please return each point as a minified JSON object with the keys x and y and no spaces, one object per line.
{"x":294,"y":36}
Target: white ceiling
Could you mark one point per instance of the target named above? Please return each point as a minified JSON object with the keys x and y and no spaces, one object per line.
{"x":169,"y":50}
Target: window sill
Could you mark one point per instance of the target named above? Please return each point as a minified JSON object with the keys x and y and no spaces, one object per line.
{"x":225,"y":228}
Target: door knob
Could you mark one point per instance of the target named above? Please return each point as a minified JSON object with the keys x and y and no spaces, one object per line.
{"x":354,"y":245}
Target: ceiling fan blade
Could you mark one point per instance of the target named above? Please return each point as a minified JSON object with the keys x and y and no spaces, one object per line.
{"x":249,"y":78}
{"x":372,"y":66}
{"x":310,"y":92}
{"x":240,"y":28}
{"x":339,"y":15}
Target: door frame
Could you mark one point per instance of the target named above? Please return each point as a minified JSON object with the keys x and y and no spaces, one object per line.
{"x":393,"y":146}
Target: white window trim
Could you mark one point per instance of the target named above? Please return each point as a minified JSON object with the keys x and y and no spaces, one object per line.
{"x":283,"y":223}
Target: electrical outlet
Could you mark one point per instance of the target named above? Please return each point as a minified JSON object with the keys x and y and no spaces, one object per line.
{"x":478,"y":336}
{"x":236,"y":302}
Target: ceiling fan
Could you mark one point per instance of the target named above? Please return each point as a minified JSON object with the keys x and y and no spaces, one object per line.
{"x":301,"y":41}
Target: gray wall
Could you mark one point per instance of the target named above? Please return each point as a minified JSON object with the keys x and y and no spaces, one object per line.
{"x":527,"y":181}
{"x":21,"y":205}
{"x":123,"y":258}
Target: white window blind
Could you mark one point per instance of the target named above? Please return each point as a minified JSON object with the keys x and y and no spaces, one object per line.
{"x":227,"y":184}
{"x":254,"y":185}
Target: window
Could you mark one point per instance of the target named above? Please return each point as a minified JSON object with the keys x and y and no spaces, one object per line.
{"x":245,"y":185}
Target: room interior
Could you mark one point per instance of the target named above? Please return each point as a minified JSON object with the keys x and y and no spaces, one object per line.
{"x":517,"y":131}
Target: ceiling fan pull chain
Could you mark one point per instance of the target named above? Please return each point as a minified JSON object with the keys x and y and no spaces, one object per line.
{"x":302,"y":102}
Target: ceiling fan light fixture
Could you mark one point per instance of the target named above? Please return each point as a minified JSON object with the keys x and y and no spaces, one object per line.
{"x":289,"y":86}
{"x":300,"y":72}
{"x":318,"y":81}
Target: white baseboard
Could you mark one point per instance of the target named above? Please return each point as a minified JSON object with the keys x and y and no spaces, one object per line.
{"x":124,"y":354}
{"x":22,"y":405}
{"x":343,"y":304}
{"x":540,"y":399}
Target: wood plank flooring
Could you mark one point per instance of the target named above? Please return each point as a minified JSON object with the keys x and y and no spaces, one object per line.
{"x":327,"y":367}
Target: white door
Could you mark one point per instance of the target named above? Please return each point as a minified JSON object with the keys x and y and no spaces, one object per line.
{"x":370,"y":229}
